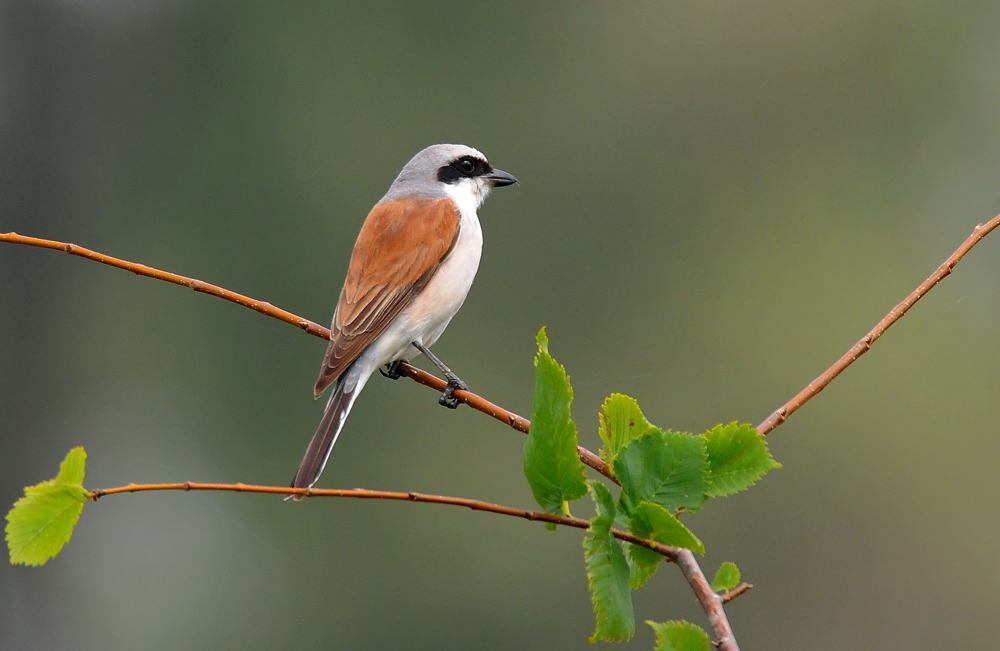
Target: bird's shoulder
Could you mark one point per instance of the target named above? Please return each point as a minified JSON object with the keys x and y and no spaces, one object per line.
{"x":401,"y":241}
{"x":408,"y":223}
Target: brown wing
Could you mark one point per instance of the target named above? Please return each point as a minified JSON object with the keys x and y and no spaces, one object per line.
{"x":400,"y":247}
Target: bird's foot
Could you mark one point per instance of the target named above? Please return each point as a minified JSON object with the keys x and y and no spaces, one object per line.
{"x":391,"y":370}
{"x":448,"y":398}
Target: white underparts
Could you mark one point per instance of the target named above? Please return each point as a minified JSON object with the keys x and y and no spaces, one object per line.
{"x":433,"y":308}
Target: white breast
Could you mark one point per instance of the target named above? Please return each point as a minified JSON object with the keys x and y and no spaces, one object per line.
{"x":440,"y":300}
{"x":433,"y":308}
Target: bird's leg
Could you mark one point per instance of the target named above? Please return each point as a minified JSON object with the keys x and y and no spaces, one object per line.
{"x":447,"y":398}
{"x":392,"y":371}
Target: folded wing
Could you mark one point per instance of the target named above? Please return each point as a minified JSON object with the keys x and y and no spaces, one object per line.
{"x":401,"y":246}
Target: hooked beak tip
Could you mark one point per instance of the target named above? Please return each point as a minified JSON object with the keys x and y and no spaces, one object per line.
{"x":499,"y":178}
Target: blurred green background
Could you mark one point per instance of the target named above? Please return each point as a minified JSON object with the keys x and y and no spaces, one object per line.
{"x":717,"y":200}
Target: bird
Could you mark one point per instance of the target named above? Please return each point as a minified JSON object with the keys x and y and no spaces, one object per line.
{"x":410,"y":271}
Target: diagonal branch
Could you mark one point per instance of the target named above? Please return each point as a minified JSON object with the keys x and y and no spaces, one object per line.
{"x":477,"y":402}
{"x":669,"y":552}
{"x":191,"y":283}
{"x":860,"y":348}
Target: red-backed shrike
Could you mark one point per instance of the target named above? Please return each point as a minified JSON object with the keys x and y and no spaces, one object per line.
{"x":411,"y":269}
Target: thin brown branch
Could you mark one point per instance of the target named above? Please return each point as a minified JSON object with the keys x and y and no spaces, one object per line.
{"x":478,"y":403}
{"x":191,"y":283}
{"x":710,"y":602}
{"x":729,"y":595}
{"x":860,"y":348}
{"x":670,"y":553}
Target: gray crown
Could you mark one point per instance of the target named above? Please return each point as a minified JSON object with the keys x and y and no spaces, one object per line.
{"x":419,"y":176}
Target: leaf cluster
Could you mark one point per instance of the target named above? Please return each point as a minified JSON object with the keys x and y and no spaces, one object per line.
{"x":663,"y":474}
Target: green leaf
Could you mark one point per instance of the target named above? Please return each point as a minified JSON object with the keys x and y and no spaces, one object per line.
{"x":680,"y":636}
{"x":737,"y":458}
{"x":73,"y":468}
{"x":638,"y":572}
{"x":551,"y":465}
{"x":621,"y":421}
{"x":608,"y":573}
{"x":605,"y":504}
{"x":642,"y":564}
{"x":727,"y":578}
{"x":667,"y":468}
{"x":42,"y":521}
{"x":653,"y":522}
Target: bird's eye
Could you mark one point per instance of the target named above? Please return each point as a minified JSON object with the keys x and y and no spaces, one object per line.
{"x":467,"y":165}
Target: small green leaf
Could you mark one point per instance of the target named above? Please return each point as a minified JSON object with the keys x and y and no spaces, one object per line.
{"x":668,"y":468}
{"x":551,"y":465}
{"x":604,"y":502}
{"x":653,"y":522}
{"x":727,"y":578}
{"x":73,"y":468}
{"x":621,"y":420}
{"x":737,"y":458}
{"x":608,"y":573}
{"x":680,"y":636}
{"x":642,"y":564}
{"x":42,"y":521}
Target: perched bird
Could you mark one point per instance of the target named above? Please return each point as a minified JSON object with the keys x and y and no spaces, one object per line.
{"x":411,"y":269}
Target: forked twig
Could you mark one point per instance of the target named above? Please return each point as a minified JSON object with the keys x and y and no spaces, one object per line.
{"x":710,"y":601}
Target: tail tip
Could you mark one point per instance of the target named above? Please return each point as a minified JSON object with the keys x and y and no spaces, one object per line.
{"x":296,"y":496}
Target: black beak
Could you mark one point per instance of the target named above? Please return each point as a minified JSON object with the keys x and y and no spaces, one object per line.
{"x":499,"y":178}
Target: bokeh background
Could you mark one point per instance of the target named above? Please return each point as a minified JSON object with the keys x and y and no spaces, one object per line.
{"x":716,"y":201}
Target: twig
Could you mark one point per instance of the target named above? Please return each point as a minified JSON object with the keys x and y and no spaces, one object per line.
{"x":860,"y":348}
{"x":478,"y":403}
{"x":711,"y":602}
{"x":670,"y":553}
{"x":729,"y":595}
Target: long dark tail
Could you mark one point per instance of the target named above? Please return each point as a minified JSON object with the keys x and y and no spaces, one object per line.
{"x":346,"y":390}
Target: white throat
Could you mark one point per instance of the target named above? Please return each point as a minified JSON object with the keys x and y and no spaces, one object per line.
{"x":468,"y":194}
